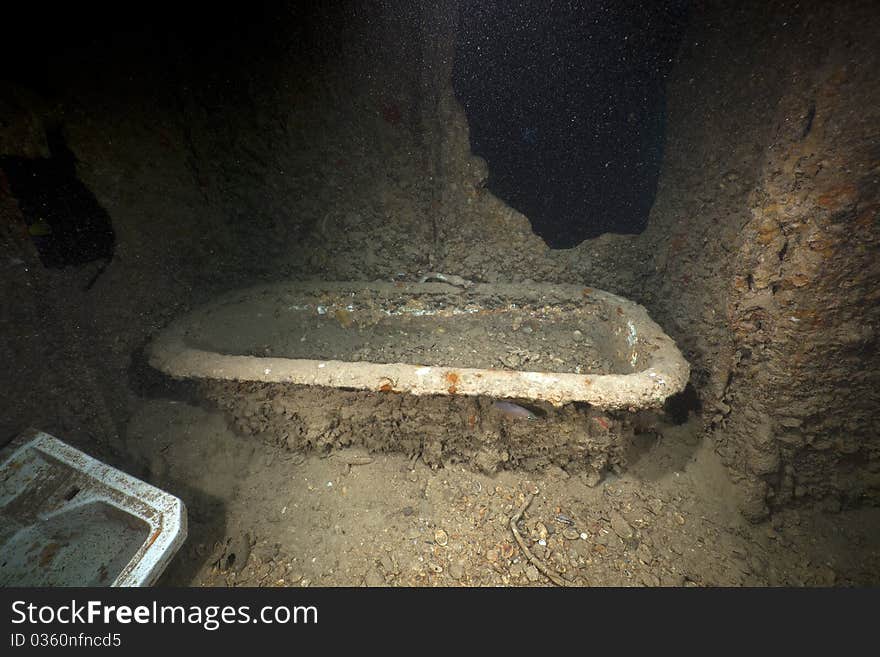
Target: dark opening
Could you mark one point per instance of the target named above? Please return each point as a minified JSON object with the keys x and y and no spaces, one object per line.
{"x":566,"y":102}
{"x":64,"y":219}
{"x":679,"y":407}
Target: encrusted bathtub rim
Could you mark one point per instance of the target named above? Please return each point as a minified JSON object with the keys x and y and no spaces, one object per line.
{"x":665,"y":371}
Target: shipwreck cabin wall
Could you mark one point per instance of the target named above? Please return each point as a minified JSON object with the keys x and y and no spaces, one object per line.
{"x":315,"y":159}
{"x":767,"y":220}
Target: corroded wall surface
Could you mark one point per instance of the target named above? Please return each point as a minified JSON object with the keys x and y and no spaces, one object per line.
{"x":762,"y":249}
{"x":804,"y":310}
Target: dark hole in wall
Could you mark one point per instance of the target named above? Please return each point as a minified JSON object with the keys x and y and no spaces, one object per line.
{"x":566,"y":102}
{"x":148,"y":382}
{"x":185,"y":69}
{"x":680,"y":406}
{"x":64,"y":219}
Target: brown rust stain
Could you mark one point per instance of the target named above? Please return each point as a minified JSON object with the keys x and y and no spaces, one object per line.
{"x":344,"y":317}
{"x":799,"y":279}
{"x":768,"y":232}
{"x":740,"y":283}
{"x":452,"y":378}
{"x":838,"y":197}
{"x":48,"y":554}
{"x":154,"y":537}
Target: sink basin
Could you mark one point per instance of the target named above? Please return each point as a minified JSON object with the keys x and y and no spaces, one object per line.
{"x":67,"y":519}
